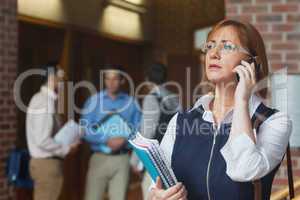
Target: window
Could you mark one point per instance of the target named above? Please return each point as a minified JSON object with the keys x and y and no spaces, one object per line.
{"x":200,"y":36}
{"x":285,"y":97}
{"x":137,"y":2}
{"x":115,"y":19}
{"x":125,"y":15}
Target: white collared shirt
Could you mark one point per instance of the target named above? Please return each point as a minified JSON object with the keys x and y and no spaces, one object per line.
{"x":39,"y":125}
{"x":245,"y":160}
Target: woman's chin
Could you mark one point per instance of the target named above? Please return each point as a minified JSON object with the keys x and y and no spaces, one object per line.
{"x":217,"y":80}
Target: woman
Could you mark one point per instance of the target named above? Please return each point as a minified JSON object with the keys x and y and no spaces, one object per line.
{"x":229,"y":140}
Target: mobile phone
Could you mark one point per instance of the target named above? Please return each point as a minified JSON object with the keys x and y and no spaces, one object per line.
{"x":256,"y":66}
{"x":237,"y":77}
{"x":251,"y":60}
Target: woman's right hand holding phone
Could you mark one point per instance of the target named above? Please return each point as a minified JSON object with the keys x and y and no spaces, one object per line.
{"x":247,"y":81}
{"x":176,"y":192}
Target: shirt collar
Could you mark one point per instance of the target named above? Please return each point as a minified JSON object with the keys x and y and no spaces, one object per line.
{"x":205,"y":100}
{"x":156,"y":89}
{"x":120,"y":95}
{"x":50,"y":93}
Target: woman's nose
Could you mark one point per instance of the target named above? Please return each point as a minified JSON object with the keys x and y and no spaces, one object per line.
{"x":215,"y":53}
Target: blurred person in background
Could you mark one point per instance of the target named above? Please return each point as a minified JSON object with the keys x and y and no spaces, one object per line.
{"x":109,"y":163}
{"x":43,"y":121}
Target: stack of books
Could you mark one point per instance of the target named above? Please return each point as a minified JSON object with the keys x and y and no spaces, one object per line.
{"x":154,"y":160}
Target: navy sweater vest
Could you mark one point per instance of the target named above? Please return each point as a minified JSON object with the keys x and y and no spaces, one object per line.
{"x":199,"y":165}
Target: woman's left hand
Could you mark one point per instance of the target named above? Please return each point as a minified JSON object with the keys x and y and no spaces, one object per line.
{"x":247,"y":80}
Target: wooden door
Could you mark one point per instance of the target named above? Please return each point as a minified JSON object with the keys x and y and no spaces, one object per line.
{"x":185,"y":70}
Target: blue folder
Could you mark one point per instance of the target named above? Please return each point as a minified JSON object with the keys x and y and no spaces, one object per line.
{"x":112,"y":125}
{"x":150,"y":154}
{"x":148,"y":164}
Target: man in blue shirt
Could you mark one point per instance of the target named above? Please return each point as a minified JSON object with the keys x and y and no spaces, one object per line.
{"x":109,"y":164}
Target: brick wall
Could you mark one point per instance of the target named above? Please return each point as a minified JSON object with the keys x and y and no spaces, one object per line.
{"x":8,"y":68}
{"x":279,"y":23}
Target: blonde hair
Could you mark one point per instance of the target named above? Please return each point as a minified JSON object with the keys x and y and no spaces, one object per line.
{"x":251,"y":40}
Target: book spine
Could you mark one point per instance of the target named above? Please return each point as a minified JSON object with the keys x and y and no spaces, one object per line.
{"x":161,"y":152}
{"x":156,"y":165}
{"x":163,"y":168}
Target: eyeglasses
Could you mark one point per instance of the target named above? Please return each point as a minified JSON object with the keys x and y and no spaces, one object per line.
{"x":225,"y":47}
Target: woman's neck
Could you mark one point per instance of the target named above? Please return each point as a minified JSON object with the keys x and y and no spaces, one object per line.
{"x":223,"y":101}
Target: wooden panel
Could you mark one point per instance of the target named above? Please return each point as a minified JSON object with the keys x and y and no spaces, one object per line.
{"x":184,"y":70}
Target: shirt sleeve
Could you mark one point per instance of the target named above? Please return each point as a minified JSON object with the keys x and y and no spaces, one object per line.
{"x":248,"y":161}
{"x":137,"y":115}
{"x":168,"y":141}
{"x":151,"y":114}
{"x":42,"y":125}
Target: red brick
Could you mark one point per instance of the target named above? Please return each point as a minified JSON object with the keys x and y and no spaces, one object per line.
{"x":285,"y":46}
{"x":293,"y":18}
{"x":293,"y":36}
{"x":267,"y":1}
{"x":283,"y":27}
{"x":293,"y":56}
{"x":280,"y":181}
{"x":254,"y":8}
{"x":247,"y":18}
{"x":8,"y":70}
{"x":295,"y":152}
{"x":296,"y":172}
{"x":285,"y":8}
{"x":280,"y":65}
{"x":292,"y":1}
{"x":272,"y":36}
{"x":238,"y":1}
{"x":276,"y":66}
{"x":294,"y":69}
{"x":261,"y":27}
{"x":263,"y":18}
{"x":275,"y":56}
{"x":284,"y":164}
{"x":232,"y":9}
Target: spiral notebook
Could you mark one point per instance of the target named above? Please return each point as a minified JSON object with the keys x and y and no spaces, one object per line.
{"x":154,"y":160}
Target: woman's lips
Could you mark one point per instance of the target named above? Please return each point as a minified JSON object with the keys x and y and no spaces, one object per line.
{"x":214,"y":66}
